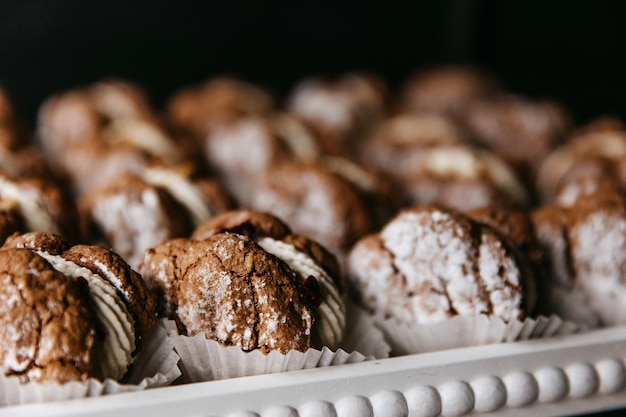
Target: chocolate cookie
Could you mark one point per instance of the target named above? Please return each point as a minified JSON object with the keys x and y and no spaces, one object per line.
{"x":520,"y":130}
{"x":138,"y":211}
{"x":196,"y":110}
{"x":315,"y":203}
{"x":69,"y":313}
{"x":398,"y":142}
{"x":41,"y":205}
{"x":447,"y":90}
{"x":341,"y":110}
{"x":593,"y":157}
{"x":429,"y":264}
{"x":461,"y":177}
{"x":244,"y":285}
{"x":585,"y":247}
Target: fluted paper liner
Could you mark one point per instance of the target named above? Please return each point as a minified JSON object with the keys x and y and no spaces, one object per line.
{"x":464,"y":331}
{"x":155,"y":366}
{"x":203,"y":359}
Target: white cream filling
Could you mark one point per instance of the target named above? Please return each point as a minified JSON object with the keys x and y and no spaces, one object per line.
{"x":119,"y":343}
{"x":30,"y":206}
{"x":297,"y":138}
{"x":143,"y":135}
{"x":182,"y":190}
{"x":331,"y":314}
{"x":350,"y":172}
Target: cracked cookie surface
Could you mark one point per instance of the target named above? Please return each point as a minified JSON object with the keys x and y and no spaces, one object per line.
{"x":430,"y":263}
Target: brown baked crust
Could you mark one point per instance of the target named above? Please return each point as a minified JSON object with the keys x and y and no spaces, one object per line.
{"x":140,"y":302}
{"x":57,"y":333}
{"x":244,"y":222}
{"x":11,"y":220}
{"x":37,"y":241}
{"x":216,"y":196}
{"x":520,"y":130}
{"x":514,"y":225}
{"x":56,"y":202}
{"x":315,"y":203}
{"x":256,"y":224}
{"x":230,"y":289}
{"x":197,"y":109}
{"x":447,"y":90}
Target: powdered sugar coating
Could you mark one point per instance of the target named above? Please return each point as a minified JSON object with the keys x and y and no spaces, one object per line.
{"x":598,"y":255}
{"x":230,"y":289}
{"x":138,"y":221}
{"x":429,"y":264}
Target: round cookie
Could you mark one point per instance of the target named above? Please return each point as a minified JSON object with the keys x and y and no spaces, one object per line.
{"x":341,"y":110}
{"x":461,"y":177}
{"x":248,"y":284}
{"x":137,"y":211}
{"x":520,"y":130}
{"x":448,"y":90}
{"x":315,"y":203}
{"x":430,"y":263}
{"x":585,"y":248}
{"x":82,"y":311}
{"x":196,"y":110}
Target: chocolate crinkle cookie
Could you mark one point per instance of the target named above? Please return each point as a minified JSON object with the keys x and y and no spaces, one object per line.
{"x":137,"y":211}
{"x":520,"y":130}
{"x":429,"y":264}
{"x":341,"y":110}
{"x":33,"y":204}
{"x":245,"y":280}
{"x":585,"y":248}
{"x":69,"y":313}
{"x":592,"y":160}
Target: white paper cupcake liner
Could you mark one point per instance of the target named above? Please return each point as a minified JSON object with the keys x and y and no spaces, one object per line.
{"x":202,"y":359}
{"x":155,"y":366}
{"x":463,"y":331}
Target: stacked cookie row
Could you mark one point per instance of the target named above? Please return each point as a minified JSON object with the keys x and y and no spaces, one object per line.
{"x":255,"y":223}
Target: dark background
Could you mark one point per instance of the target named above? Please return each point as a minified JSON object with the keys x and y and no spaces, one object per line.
{"x":570,"y":51}
{"x":567,"y":50}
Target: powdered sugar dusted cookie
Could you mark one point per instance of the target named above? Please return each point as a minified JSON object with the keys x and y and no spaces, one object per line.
{"x":135,"y":212}
{"x":585,"y":244}
{"x":196,"y":110}
{"x":341,"y":110}
{"x":429,"y":264}
{"x":69,"y":313}
{"x":590,"y":159}
{"x":250,"y":283}
{"x":518,"y":129}
{"x":463,"y":178}
{"x":316,"y":203}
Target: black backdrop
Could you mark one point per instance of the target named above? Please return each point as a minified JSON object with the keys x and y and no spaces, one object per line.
{"x":571,"y":51}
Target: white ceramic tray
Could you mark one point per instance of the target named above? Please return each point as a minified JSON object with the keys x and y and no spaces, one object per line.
{"x":550,"y":377}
